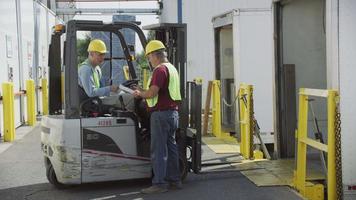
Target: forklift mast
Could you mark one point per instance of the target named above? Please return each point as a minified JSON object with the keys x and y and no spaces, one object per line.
{"x":174,"y":38}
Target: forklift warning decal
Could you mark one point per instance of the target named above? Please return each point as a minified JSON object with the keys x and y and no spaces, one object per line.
{"x":131,"y":157}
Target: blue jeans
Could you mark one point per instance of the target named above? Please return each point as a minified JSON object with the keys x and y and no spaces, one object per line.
{"x":164,"y":150}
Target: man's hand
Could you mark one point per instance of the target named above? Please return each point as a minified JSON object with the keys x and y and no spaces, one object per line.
{"x":135,"y":87}
{"x":114,"y":88}
{"x":137,"y":93}
{"x":146,"y":94}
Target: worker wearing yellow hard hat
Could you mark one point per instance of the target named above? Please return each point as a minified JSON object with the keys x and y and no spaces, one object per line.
{"x":97,"y":45}
{"x":154,"y":45}
{"x":89,"y":72}
{"x":162,"y":96}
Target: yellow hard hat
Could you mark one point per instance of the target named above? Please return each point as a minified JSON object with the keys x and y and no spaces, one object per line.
{"x":97,"y":46}
{"x":154,"y":45}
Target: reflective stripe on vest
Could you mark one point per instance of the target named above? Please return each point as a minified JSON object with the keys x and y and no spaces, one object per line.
{"x":96,"y":78}
{"x":173,"y":85}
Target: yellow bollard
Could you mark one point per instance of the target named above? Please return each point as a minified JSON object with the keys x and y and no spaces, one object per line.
{"x":246,"y":125}
{"x":8,"y":111}
{"x":44,"y":96}
{"x":216,"y":111}
{"x":30,"y":94}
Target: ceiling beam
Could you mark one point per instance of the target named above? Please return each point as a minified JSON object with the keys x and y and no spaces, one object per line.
{"x":108,"y":11}
{"x":99,"y":0}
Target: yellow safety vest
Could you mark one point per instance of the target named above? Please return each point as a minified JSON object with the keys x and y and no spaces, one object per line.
{"x":173,"y":85}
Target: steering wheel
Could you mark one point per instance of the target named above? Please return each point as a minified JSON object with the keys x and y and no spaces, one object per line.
{"x":90,"y":107}
{"x":130,"y":83}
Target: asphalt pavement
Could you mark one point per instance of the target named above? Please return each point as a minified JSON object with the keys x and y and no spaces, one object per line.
{"x":22,"y":176}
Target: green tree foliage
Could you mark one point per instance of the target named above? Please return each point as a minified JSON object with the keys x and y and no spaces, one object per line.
{"x":82,"y":47}
{"x":141,"y":58}
{"x":142,"y":62}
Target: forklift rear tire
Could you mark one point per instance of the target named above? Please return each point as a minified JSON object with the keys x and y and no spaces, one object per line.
{"x":52,"y":178}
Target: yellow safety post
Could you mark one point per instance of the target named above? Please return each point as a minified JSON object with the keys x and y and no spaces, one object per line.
{"x":307,"y":189}
{"x":8,"y":111}
{"x":30,"y":94}
{"x":246,"y":125}
{"x":302,"y":147}
{"x":44,"y":96}
{"x":332,"y":99}
{"x":216,"y":111}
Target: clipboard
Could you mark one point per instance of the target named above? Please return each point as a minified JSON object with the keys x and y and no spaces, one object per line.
{"x":126,"y":89}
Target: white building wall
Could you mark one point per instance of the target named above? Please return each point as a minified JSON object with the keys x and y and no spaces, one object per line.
{"x":200,"y":46}
{"x":200,"y":33}
{"x":340,"y":51}
{"x":253,"y":62}
{"x":46,"y":21}
{"x":347,"y":68}
{"x":27,"y":24}
{"x":9,"y":54}
{"x":27,"y":34}
{"x":332,"y":45}
{"x":18,"y":26}
{"x":169,"y":12}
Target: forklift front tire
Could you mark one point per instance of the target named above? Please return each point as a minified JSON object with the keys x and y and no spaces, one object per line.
{"x":52,"y":178}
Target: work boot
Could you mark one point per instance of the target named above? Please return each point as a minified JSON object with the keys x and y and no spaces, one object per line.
{"x":175,"y":185}
{"x":154,"y":189}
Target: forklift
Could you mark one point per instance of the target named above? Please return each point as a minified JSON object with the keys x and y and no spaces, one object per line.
{"x":100,"y":139}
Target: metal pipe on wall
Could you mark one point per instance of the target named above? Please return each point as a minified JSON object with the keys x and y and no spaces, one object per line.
{"x":20,"y":57}
{"x":34,"y":74}
{"x":179,"y":11}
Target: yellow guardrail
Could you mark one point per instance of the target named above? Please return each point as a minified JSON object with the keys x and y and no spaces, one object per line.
{"x":246,"y":125}
{"x":303,"y":141}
